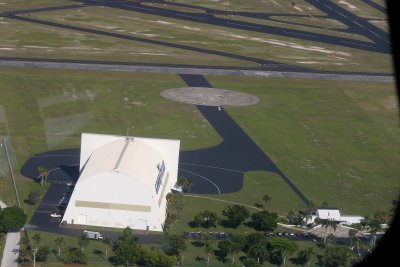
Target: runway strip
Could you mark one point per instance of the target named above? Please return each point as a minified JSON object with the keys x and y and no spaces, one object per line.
{"x":196,"y":70}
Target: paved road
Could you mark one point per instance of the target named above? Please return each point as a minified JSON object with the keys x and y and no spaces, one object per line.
{"x":11,"y":248}
{"x":375,"y":5}
{"x":209,"y":18}
{"x":190,"y":69}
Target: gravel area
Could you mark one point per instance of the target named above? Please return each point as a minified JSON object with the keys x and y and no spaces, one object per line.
{"x":209,"y":96}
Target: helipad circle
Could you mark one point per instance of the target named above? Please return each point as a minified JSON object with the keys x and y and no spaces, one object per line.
{"x":209,"y":96}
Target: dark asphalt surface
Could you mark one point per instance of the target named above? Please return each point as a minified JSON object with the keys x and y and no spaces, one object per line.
{"x":333,"y":11}
{"x":375,"y":5}
{"x":236,"y":154}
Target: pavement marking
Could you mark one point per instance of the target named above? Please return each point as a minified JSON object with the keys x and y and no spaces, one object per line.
{"x":221,"y":200}
{"x":301,"y":34}
{"x":355,"y":43}
{"x":211,"y":182}
{"x":241,"y":25}
{"x":212,"y":167}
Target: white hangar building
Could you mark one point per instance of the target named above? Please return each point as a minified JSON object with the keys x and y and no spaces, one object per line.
{"x":123,"y":182}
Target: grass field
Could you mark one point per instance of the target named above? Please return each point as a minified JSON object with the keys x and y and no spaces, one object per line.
{"x":337,"y":141}
{"x":30,"y":40}
{"x":263,"y":46}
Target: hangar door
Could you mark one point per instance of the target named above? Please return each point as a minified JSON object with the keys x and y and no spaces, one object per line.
{"x":81,"y":219}
{"x":141,"y":224}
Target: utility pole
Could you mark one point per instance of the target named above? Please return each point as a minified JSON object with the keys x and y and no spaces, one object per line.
{"x":11,"y":171}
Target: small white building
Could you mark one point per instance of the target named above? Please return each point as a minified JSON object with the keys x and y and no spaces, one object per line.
{"x":123,"y":182}
{"x":334,"y":214}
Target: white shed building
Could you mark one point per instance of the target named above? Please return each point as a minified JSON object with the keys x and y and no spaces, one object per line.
{"x":123,"y":182}
{"x":334,"y":214}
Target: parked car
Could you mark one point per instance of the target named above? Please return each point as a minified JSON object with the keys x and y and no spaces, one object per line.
{"x":55,"y":215}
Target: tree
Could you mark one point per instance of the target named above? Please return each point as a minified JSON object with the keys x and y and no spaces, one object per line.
{"x":259,"y":252}
{"x":253,"y":239}
{"x":264,"y":220}
{"x":206,"y":219}
{"x":59,"y":241}
{"x":236,"y":214}
{"x":126,"y":248}
{"x":74,"y":255}
{"x":305,"y":255}
{"x":331,"y":239}
{"x":208,"y":249}
{"x":266,"y":198}
{"x":352,"y":235}
{"x":335,"y":256}
{"x":36,"y":238}
{"x":233,"y":249}
{"x":83,"y":241}
{"x":107,"y":242}
{"x":42,"y":254}
{"x":33,"y":197}
{"x":12,"y":219}
{"x":173,"y":245}
{"x":184,"y":183}
{"x":43,"y":174}
{"x":281,"y":247}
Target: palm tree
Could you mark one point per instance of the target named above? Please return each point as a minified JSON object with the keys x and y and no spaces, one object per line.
{"x":331,"y":239}
{"x":306,"y":254}
{"x":208,"y":250}
{"x":233,"y":249}
{"x":352,"y":235}
{"x":36,"y":238}
{"x":43,"y":174}
{"x":108,"y":242}
{"x":184,"y":183}
{"x":59,"y":241}
{"x":83,"y":241}
{"x":257,"y":251}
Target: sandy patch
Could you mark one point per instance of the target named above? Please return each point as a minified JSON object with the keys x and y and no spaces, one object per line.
{"x":308,"y":62}
{"x":347,"y":4}
{"x":209,"y":96}
{"x":298,"y":8}
{"x":287,"y":44}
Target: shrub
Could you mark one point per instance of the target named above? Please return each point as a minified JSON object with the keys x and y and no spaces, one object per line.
{"x":33,"y":197}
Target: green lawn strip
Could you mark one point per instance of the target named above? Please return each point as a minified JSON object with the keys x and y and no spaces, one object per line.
{"x":336,"y":142}
{"x":361,"y":9}
{"x":47,"y":239}
{"x":285,"y":22}
{"x":12,"y":5}
{"x":247,"y":43}
{"x":22,"y":39}
{"x":7,"y":193}
{"x":256,"y":185}
{"x":109,"y":103}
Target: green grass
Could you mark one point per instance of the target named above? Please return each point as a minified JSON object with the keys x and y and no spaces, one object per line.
{"x":257,"y":184}
{"x":337,"y":141}
{"x":92,"y":259}
{"x":59,"y":105}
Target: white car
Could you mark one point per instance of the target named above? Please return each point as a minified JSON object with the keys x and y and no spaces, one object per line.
{"x":55,"y":215}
